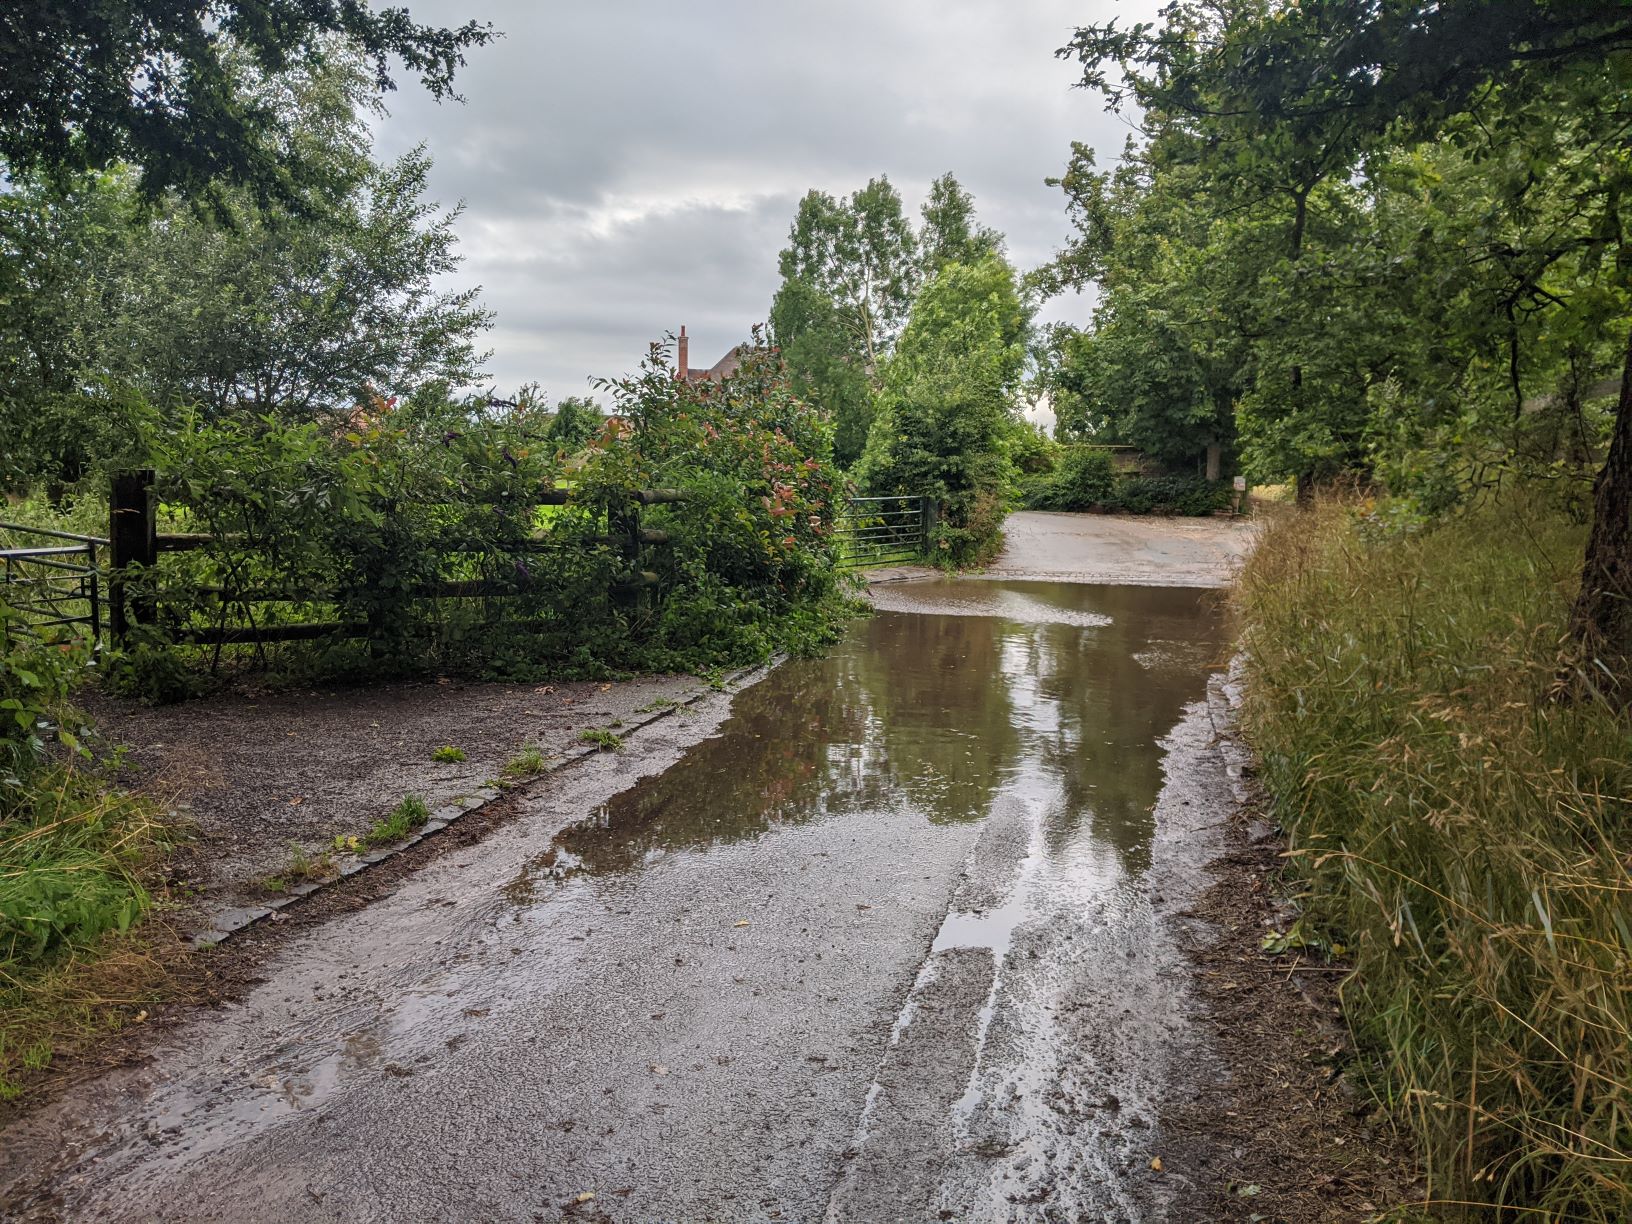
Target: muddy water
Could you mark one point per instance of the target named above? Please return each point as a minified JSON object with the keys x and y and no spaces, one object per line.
{"x":888,"y":943}
{"x":951,"y":695}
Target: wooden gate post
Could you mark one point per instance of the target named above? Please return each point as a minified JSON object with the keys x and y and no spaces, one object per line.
{"x":133,"y":536}
{"x":931,"y":515}
{"x":623,"y":521}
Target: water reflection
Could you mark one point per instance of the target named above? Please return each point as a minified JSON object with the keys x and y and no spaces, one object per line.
{"x":930,"y":709}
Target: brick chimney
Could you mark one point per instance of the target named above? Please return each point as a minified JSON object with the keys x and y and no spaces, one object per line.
{"x":681,"y":356}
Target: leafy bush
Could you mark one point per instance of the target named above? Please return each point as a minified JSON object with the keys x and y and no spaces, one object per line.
{"x":946,"y":419}
{"x":1083,"y":479}
{"x":1086,"y":479}
{"x":367,"y":524}
{"x":1181,"y":495}
{"x":36,"y":675}
{"x":1464,"y":832}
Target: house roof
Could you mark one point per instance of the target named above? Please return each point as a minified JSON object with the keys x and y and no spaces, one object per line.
{"x":725,"y":367}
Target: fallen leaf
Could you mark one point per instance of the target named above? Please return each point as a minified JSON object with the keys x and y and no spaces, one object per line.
{"x":1155,"y":1164}
{"x":659,"y":1069}
{"x":586,"y":1197}
{"x":742,"y":923}
{"x":297,"y":801}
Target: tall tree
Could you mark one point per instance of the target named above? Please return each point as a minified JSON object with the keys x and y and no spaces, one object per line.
{"x":823,"y":365}
{"x":949,"y":405}
{"x":577,"y":419}
{"x":289,"y":310}
{"x":950,"y":233}
{"x":861,"y":253}
{"x":170,"y":85}
{"x":302,"y":312}
{"x":1293,"y":96}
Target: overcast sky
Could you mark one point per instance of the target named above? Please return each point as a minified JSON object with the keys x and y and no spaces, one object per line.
{"x":627,"y":167}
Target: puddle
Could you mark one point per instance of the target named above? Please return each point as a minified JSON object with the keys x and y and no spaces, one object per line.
{"x":933,"y":705}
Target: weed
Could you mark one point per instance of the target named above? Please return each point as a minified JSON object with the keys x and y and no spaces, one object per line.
{"x":448,"y":755}
{"x":525,"y":764}
{"x":82,"y":995}
{"x":657,"y":704}
{"x":402,"y":820}
{"x":72,"y":858}
{"x":302,"y":868}
{"x":606,"y":741}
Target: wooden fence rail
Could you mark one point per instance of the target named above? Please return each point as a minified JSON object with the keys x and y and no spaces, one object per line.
{"x":135,"y":543}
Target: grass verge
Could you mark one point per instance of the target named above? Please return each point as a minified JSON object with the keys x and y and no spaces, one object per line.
{"x":1467,"y":836}
{"x":75,"y":860}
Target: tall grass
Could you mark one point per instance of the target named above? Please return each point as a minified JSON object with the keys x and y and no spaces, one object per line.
{"x":73,"y":854}
{"x":1465,"y":833}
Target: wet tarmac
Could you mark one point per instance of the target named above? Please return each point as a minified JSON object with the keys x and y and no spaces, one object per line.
{"x":1123,"y":548}
{"x":890,"y":941}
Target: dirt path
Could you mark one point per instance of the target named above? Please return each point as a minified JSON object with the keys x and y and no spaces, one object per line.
{"x":262,"y":776}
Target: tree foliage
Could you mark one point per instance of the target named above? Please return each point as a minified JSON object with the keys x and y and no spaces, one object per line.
{"x":1383,"y":237}
{"x":577,"y":419}
{"x":950,"y":233}
{"x":299,"y":312}
{"x":851,"y":273}
{"x":948,"y":408}
{"x":860,"y":253}
{"x":823,"y":363}
{"x":178,"y":87}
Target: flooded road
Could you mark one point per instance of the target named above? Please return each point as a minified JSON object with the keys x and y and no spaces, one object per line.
{"x":893,"y":942}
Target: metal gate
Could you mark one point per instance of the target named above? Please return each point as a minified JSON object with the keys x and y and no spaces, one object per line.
{"x":874,"y":531}
{"x":50,"y":579}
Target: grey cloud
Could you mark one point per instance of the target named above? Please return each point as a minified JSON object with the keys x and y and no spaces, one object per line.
{"x":629,"y":167}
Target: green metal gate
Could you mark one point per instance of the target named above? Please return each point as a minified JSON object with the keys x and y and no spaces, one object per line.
{"x":874,"y":531}
{"x":51,"y":578}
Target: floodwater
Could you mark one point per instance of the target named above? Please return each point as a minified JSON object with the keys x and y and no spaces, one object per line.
{"x":891,"y":942}
{"x":954,"y":695}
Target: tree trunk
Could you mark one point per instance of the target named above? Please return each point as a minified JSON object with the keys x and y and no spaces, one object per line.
{"x":1601,"y":620}
{"x":1303,"y":490}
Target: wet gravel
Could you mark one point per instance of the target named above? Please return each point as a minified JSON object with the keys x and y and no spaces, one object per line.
{"x":259,"y":774}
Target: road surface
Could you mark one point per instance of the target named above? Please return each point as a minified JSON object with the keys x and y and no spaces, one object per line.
{"x":892,"y":940}
{"x":1202,"y":552}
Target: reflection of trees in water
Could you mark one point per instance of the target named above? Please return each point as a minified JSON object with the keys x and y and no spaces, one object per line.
{"x":913,"y":712}
{"x":930,"y":713}
{"x":1110,"y":709}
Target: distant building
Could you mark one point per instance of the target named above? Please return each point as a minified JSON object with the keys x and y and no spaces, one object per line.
{"x":724,"y":368}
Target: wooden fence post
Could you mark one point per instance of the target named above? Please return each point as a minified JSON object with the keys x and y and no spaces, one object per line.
{"x":931,"y":511}
{"x":133,"y":536}
{"x":624,"y":524}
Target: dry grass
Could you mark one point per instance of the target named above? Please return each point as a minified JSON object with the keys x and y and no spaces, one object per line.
{"x":1466,"y":834}
{"x":70,"y":1005}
